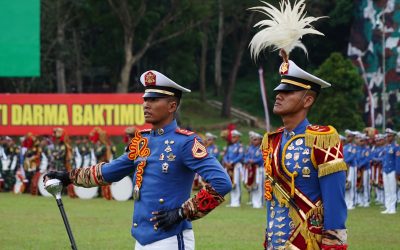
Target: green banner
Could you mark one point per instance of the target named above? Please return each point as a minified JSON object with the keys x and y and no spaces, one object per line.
{"x":19,"y":38}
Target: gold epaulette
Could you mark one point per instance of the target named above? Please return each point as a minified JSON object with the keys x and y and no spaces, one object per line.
{"x":264,"y":143}
{"x":321,"y":136}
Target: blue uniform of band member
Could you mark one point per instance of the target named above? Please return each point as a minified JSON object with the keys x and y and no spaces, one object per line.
{"x":349,"y":154}
{"x":363,"y":171}
{"x":163,"y":161}
{"x":389,"y":172}
{"x":304,"y":166}
{"x":232,"y":161}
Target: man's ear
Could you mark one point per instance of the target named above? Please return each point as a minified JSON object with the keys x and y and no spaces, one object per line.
{"x":172,"y":106}
{"x":309,"y":101}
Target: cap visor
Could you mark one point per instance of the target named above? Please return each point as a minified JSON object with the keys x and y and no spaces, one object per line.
{"x":153,"y":94}
{"x":288,"y":87}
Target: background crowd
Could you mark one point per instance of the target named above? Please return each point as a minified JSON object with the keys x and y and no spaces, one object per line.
{"x":373,"y":161}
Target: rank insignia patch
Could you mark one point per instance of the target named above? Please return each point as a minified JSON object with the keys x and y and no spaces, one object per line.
{"x":198,"y":150}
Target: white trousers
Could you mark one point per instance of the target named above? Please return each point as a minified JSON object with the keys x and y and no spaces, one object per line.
{"x":235,"y":193}
{"x":257,"y":196}
{"x":389,"y":185}
{"x":182,"y":241}
{"x":350,"y":195}
{"x":363,"y":197}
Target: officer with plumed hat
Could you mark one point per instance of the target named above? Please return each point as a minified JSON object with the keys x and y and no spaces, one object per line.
{"x":304,"y":167}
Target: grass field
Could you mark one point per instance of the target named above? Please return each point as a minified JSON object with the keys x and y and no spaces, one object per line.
{"x":28,"y":222}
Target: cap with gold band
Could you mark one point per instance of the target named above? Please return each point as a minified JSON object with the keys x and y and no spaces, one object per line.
{"x":293,"y":78}
{"x":158,"y":85}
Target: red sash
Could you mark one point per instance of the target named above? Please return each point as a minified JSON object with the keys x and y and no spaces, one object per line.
{"x":304,"y":204}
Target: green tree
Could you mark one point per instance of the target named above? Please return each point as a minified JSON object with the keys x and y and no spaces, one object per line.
{"x":339,"y":105}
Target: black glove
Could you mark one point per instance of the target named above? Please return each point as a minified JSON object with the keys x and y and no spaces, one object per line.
{"x":63,"y":176}
{"x":166,"y":219}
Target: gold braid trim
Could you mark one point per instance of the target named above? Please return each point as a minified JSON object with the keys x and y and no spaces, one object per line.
{"x":322,"y":139}
{"x":202,"y":203}
{"x":331,"y":167}
{"x":88,"y":176}
{"x":312,"y":240}
{"x":264,"y":142}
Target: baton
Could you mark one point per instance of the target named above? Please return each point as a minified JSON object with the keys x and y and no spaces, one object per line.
{"x":54,"y":187}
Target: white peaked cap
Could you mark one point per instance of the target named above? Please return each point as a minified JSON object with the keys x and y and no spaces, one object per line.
{"x":158,"y":85}
{"x":236,"y":133}
{"x":294,"y":78}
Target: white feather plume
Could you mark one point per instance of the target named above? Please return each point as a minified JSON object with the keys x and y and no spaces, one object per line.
{"x":284,"y":27}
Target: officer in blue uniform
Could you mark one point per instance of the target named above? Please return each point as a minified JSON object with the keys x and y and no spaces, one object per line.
{"x":349,"y":154}
{"x":363,"y":171}
{"x":377,"y":155}
{"x":232,"y":161}
{"x":389,"y":172}
{"x":163,"y":160}
{"x":212,"y":148}
{"x":254,"y":167}
{"x":304,"y":167}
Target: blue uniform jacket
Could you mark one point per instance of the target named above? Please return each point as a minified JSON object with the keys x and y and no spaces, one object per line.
{"x":389,"y":159}
{"x":378,"y":153}
{"x":350,"y":153}
{"x":330,"y":189}
{"x":363,"y":157}
{"x":254,"y":154}
{"x":234,"y":153}
{"x":167,"y":179}
{"x":213,"y":151}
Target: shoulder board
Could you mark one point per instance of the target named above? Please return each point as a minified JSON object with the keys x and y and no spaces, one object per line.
{"x":279,"y":130}
{"x":264,"y":143}
{"x":184,"y":131}
{"x":318,"y":129}
{"x":321,"y":136}
{"x":147,"y":130}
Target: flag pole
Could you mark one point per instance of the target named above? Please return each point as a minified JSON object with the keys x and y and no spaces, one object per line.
{"x":264,"y":98}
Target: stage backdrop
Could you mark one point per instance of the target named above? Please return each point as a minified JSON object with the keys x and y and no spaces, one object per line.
{"x":77,"y":113}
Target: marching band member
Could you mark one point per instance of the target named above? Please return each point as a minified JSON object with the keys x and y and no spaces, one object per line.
{"x":62,"y":155}
{"x":232,"y":162}
{"x":212,"y":148}
{"x":254,"y":167}
{"x":304,"y":166}
{"x":349,"y":154}
{"x":363,"y":167}
{"x":376,"y":167}
{"x":389,"y":172}
{"x":102,"y":151}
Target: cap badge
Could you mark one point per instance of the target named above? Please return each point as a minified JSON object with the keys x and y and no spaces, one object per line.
{"x":284,"y":69}
{"x":150,"y":79}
